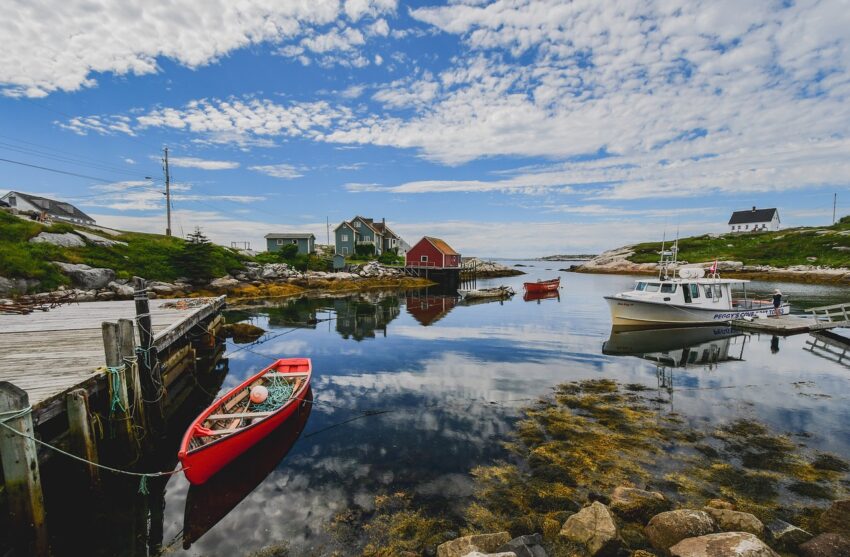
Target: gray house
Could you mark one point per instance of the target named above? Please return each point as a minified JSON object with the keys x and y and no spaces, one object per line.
{"x":360,"y":231}
{"x":45,"y":208}
{"x":306,"y":242}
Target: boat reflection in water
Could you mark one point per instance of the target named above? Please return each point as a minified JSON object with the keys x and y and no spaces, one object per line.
{"x":537,"y":296}
{"x":208,"y":503}
{"x":678,"y":347}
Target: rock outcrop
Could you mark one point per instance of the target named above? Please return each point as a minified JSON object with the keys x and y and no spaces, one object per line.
{"x":64,"y":240}
{"x":524,"y":546}
{"x":669,"y":528}
{"x":594,"y":528}
{"x":86,"y":277}
{"x":484,"y":543}
{"x":99,"y":240}
{"x":736,"y":521}
{"x":826,"y":545}
{"x":786,"y":536}
{"x":636,"y":504}
{"x":836,"y":518}
{"x":723,"y":544}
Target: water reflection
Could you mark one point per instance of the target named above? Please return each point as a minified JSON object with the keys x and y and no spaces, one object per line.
{"x":538,"y":296}
{"x":429,"y":308}
{"x":679,"y":347}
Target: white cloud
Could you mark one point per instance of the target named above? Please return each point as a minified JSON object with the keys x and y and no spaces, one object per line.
{"x":127,"y":37}
{"x":143,"y":195}
{"x":128,"y":160}
{"x":204,"y":164}
{"x":285,"y":171}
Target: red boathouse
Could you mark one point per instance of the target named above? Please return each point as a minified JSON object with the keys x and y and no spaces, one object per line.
{"x":432,"y":253}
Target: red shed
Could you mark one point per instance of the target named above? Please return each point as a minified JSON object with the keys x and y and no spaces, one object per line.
{"x":433,"y":253}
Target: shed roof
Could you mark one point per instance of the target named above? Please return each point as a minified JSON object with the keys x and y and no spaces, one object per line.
{"x":753,"y":215}
{"x":441,"y":245}
{"x":274,"y":236}
{"x":59,"y":209}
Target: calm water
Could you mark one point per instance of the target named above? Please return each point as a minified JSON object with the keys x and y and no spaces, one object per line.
{"x":449,"y":380}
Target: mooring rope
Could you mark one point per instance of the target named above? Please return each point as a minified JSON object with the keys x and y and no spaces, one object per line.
{"x":143,"y":476}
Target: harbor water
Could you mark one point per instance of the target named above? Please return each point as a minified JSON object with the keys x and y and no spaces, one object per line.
{"x":412,"y":390}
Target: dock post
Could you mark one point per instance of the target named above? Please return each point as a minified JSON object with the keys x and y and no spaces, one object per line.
{"x":21,"y":473}
{"x":127,"y":347}
{"x":79,"y":428}
{"x":150,"y":373}
{"x":118,"y":388}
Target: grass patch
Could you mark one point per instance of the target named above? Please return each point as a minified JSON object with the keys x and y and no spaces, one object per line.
{"x":783,"y":248}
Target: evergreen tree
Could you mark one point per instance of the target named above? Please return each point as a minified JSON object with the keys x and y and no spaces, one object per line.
{"x":196,"y":257}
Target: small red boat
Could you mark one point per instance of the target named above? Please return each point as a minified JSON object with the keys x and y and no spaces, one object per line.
{"x":234,"y":423}
{"x":542,"y":285}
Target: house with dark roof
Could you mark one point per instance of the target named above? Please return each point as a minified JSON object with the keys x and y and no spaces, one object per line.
{"x":755,"y":220}
{"x":306,"y":242}
{"x":45,"y":208}
{"x":364,"y":231}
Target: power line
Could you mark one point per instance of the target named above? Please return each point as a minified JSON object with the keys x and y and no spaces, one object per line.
{"x":57,"y":171}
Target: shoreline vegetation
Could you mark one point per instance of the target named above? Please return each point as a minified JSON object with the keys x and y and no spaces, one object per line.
{"x":94,"y":263}
{"x":599,"y":468}
{"x":804,"y":254}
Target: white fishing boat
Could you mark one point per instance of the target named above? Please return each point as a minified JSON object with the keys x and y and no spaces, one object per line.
{"x":689,"y":299}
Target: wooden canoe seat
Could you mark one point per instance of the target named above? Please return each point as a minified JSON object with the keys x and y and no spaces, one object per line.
{"x":239,"y":415}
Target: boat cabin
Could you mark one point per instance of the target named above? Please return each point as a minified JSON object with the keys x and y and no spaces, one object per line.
{"x":714,"y":293}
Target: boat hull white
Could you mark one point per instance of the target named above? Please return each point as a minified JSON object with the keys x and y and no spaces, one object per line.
{"x":627,"y":311}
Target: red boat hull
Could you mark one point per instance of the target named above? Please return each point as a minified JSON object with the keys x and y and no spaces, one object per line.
{"x":202,"y":463}
{"x":543,"y":286}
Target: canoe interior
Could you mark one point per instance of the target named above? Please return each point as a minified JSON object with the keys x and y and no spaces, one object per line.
{"x":235,"y":411}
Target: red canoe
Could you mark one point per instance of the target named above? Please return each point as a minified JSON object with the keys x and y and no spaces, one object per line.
{"x":232,"y":424}
{"x":542,"y":285}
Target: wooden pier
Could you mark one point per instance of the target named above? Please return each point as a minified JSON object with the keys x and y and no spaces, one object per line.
{"x":821,"y":318}
{"x":69,"y":373}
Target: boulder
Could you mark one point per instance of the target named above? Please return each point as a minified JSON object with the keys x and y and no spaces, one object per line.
{"x":720,"y":504}
{"x":594,"y":528}
{"x":736,"y":521}
{"x":7,"y":286}
{"x":86,"y":277}
{"x":497,"y":554}
{"x":669,"y":528}
{"x":65,"y":240}
{"x":104,"y":295}
{"x":786,"y":536}
{"x":121,"y":290}
{"x":723,"y":544}
{"x":224,"y":282}
{"x":826,"y":545}
{"x":99,"y":240}
{"x":635,"y":504}
{"x":467,"y":544}
{"x":836,"y":518}
{"x":161,"y":287}
{"x":524,"y":546}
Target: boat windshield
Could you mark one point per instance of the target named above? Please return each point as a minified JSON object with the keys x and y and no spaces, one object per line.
{"x":652,"y":287}
{"x":668,"y":288}
{"x":640,"y":287}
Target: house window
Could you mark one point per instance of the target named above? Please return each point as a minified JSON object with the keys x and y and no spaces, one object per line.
{"x":13,"y":201}
{"x":280,"y":241}
{"x":746,"y":227}
{"x":343,"y":238}
{"x":423,"y":259}
{"x":357,"y":224}
{"x":295,"y":242}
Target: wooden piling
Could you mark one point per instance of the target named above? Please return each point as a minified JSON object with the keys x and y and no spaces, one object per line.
{"x":118,"y":388}
{"x":21,"y":473}
{"x":150,"y":372}
{"x":83,"y":442}
{"x":127,"y":346}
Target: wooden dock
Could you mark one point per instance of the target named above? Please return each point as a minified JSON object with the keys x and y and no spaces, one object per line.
{"x":50,"y":353}
{"x":821,"y":318}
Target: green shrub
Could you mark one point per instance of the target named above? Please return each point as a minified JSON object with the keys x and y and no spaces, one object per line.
{"x":365,"y":251}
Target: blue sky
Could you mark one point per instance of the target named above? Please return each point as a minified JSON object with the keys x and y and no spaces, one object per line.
{"x":509,"y":128}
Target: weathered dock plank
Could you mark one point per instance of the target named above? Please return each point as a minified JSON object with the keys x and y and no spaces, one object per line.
{"x":48,"y":353}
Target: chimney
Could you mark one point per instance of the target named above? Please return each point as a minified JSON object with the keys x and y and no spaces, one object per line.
{"x":754,"y":208}
{"x":383,"y":221}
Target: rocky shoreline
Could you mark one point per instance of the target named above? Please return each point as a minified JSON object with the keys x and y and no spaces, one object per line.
{"x":616,"y":261}
{"x":90,"y":284}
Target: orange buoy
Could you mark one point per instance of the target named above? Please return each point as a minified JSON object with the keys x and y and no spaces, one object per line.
{"x":259,"y":394}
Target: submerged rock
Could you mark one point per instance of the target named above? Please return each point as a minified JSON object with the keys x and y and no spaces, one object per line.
{"x":632,"y":503}
{"x":736,"y":521}
{"x":468,"y":544}
{"x":243,"y":333}
{"x":594,"y":528}
{"x":826,"y":545}
{"x":836,"y":518}
{"x":669,"y":528}
{"x":723,"y":544}
{"x":786,"y":536}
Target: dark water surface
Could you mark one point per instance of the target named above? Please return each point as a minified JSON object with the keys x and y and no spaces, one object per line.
{"x":443,"y":383}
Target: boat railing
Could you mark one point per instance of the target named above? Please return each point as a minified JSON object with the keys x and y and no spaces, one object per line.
{"x":746,"y":303}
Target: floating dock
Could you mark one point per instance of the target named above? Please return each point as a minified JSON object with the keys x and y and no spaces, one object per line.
{"x":821,"y":318}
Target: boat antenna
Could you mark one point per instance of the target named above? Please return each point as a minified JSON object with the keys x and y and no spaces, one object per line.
{"x":662,"y":265}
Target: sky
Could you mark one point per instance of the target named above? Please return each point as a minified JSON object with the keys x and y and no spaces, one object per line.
{"x":513,"y":128}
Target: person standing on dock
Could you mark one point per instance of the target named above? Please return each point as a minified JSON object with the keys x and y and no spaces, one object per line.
{"x":777,"y":301}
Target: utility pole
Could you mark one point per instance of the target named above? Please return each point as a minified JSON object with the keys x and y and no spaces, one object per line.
{"x":328,"y":228}
{"x":834,"y":203}
{"x":167,"y":191}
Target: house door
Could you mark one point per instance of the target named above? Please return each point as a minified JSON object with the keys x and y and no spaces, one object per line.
{"x":345,"y":250}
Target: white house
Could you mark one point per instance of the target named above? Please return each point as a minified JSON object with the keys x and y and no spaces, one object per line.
{"x":57,"y":210}
{"x":754,"y":220}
